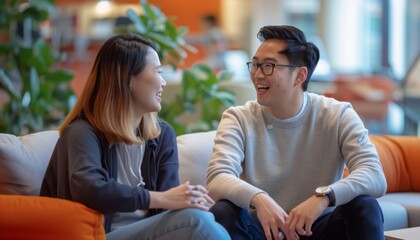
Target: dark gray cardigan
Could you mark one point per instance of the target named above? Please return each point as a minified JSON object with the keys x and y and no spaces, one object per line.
{"x":83,"y":168}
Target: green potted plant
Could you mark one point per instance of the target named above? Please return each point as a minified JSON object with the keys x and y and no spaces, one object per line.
{"x":200,"y":92}
{"x":37,"y":93}
{"x":200,"y":95}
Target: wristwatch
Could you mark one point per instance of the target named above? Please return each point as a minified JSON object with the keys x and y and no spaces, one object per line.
{"x":326,"y":191}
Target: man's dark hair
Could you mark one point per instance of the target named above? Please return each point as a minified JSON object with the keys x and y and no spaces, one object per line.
{"x":298,"y":51}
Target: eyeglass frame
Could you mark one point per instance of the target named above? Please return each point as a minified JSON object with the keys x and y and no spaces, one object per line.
{"x":259,"y":65}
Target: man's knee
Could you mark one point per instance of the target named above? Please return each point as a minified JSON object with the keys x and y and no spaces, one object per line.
{"x":364,"y":209}
{"x":225,"y":212}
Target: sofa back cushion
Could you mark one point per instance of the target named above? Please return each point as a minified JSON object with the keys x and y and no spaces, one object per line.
{"x":194,"y":152}
{"x":400,"y":158}
{"x":23,"y":161}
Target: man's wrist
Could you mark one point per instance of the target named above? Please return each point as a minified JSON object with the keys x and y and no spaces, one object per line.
{"x":256,"y":199}
{"x":326,"y":191}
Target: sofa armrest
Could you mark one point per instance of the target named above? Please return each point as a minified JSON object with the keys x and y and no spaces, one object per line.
{"x":23,"y":161}
{"x":400,"y":158}
{"x":34,"y":217}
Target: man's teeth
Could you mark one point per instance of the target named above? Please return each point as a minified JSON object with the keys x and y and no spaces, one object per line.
{"x":262,"y":87}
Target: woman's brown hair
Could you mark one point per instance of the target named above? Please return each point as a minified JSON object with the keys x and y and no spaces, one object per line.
{"x":106,"y":101}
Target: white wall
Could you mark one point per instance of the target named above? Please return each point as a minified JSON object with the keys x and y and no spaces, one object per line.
{"x":343,"y":23}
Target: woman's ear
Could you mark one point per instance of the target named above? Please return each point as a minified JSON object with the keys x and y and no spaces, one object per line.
{"x":301,"y":75}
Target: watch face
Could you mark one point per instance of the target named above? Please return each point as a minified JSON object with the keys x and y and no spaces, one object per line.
{"x":323,"y":190}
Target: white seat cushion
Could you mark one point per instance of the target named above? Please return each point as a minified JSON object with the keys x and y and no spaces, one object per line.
{"x":410,"y":201}
{"x":395,"y":215}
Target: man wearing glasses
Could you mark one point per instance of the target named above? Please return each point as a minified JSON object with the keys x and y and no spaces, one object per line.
{"x":277,"y":163}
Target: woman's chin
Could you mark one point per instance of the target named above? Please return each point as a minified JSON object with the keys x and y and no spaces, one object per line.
{"x":158,"y":108}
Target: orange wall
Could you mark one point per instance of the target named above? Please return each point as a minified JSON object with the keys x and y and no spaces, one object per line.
{"x":186,"y":12}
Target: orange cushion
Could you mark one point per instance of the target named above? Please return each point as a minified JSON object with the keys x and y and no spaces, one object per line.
{"x":400,"y":158}
{"x":36,"y":218}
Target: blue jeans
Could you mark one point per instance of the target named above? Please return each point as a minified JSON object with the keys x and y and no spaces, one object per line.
{"x":172,"y":225}
{"x":360,"y":219}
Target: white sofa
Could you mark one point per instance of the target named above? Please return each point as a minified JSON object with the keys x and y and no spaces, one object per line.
{"x":23,"y":161}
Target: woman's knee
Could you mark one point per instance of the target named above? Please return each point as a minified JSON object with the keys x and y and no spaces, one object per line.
{"x":203,"y":223}
{"x":195,"y":215}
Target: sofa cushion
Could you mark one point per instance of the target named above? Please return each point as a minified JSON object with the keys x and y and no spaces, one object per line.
{"x":23,"y":161}
{"x":34,"y":217}
{"x":194,"y":152}
{"x":410,"y":201}
{"x":395,"y":215}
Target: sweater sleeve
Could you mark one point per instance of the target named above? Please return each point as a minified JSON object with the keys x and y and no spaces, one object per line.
{"x":366,"y":176}
{"x":225,"y":167}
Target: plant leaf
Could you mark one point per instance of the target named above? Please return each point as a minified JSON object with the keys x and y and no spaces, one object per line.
{"x":138,"y":24}
{"x":34,"y":84}
{"x":7,"y":84}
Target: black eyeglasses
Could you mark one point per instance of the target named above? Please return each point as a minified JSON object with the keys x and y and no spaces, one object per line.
{"x":266,"y":68}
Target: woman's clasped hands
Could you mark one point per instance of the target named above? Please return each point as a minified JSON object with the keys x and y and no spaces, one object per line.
{"x":183,"y":196}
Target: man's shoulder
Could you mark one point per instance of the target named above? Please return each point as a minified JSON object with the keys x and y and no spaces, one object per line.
{"x":251,"y":105}
{"x":249,"y":109}
{"x":324,"y":101}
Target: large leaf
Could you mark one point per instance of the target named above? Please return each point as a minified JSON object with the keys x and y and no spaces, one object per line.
{"x":162,"y":39}
{"x":33,"y":84}
{"x":7,"y":84}
{"x":59,"y":75}
{"x":189,"y":87}
{"x":138,"y":24}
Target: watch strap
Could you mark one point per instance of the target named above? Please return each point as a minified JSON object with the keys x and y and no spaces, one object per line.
{"x":331,"y":197}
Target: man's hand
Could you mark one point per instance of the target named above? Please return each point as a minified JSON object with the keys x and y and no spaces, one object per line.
{"x":302,"y":217}
{"x":272,"y":217}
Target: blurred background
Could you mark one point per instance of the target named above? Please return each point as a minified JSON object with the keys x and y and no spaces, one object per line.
{"x":369,"y":48}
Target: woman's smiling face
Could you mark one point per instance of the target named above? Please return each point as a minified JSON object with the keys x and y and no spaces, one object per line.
{"x":147,"y":86}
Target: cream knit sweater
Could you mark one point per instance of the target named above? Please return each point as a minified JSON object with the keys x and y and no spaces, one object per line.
{"x":255,"y":152}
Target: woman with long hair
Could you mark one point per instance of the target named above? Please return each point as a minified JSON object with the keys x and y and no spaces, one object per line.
{"x":116,"y":157}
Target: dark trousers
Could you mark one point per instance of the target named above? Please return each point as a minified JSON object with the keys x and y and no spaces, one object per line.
{"x":359,"y":219}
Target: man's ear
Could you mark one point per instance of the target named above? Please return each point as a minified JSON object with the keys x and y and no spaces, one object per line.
{"x":301,"y":75}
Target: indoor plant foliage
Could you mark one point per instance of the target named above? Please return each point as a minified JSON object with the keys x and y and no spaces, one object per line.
{"x":156,"y":26}
{"x":38,"y":94}
{"x":200,"y":92}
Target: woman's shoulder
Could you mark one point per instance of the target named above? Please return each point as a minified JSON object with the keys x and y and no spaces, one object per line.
{"x":166,"y":129}
{"x":79,"y":125}
{"x":79,"y":129}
